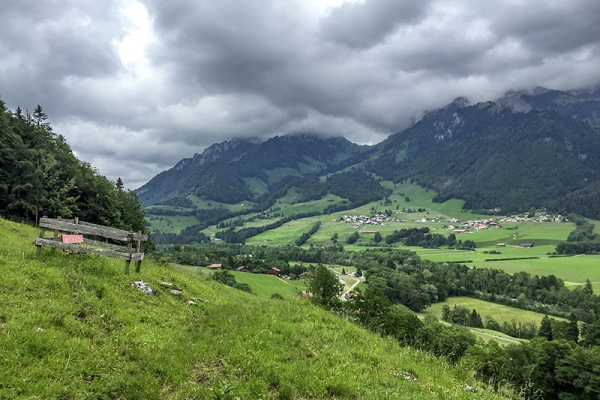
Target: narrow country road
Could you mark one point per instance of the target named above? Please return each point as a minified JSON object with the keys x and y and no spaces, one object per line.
{"x":343,"y":295}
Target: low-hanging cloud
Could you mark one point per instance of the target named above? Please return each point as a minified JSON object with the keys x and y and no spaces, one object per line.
{"x":136,"y":86}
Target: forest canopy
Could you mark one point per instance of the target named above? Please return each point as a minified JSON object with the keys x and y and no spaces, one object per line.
{"x":40,"y":176}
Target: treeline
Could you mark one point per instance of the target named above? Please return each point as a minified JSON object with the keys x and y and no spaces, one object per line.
{"x":423,"y":238}
{"x":232,"y":236}
{"x":462,"y":316}
{"x":188,"y":235}
{"x":179,"y":201}
{"x":583,"y":240}
{"x":227,"y":278}
{"x":418,"y":283}
{"x":357,"y":186}
{"x":39,"y":175}
{"x":305,"y":236}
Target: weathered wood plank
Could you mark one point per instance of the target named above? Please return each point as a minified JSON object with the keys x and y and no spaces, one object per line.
{"x":115,"y":247}
{"x":39,"y":247}
{"x":96,"y":230}
{"x":83,"y":249}
{"x":135,"y":236}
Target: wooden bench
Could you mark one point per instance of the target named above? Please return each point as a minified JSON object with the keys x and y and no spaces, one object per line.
{"x":77,"y":243}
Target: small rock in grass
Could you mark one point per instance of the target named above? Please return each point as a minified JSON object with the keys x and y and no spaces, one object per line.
{"x":470,"y":388}
{"x":201,"y":299}
{"x":192,"y":302}
{"x":176,"y":292}
{"x":143,"y":286}
{"x":167,"y":284}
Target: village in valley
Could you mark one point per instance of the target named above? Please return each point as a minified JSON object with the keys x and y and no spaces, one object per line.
{"x":454,"y":224}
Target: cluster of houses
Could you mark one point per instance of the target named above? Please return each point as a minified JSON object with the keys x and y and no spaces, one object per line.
{"x":464,"y":226}
{"x":379,"y":219}
{"x":540,"y":218}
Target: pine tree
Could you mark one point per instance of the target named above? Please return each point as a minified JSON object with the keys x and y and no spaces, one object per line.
{"x":119,"y":185}
{"x":588,"y":288}
{"x":573,"y":330}
{"x":446,"y":313}
{"x":546,"y":328}
{"x":40,"y":117}
{"x":325,"y":288}
{"x":475,"y":320}
{"x":377,"y":237}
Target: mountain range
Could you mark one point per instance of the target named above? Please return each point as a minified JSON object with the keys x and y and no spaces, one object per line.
{"x":538,"y":148}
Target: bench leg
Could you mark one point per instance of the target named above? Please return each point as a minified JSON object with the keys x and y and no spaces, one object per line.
{"x":127,"y":262}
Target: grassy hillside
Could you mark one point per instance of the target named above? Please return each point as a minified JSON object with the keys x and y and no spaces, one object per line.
{"x":71,"y":326}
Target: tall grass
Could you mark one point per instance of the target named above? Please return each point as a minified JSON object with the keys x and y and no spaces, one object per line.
{"x":71,"y":326}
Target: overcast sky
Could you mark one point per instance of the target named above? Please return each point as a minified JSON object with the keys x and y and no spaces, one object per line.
{"x":135,"y":86}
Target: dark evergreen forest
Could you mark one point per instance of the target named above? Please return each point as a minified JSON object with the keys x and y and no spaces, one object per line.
{"x":40,"y":176}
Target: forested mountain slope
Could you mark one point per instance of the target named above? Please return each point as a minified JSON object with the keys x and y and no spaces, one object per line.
{"x":495,"y":157}
{"x":583,"y":104}
{"x":224,"y":177}
{"x":528,"y":149}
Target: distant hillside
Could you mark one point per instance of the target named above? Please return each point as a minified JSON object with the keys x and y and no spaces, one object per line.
{"x":583,"y":104}
{"x":225,"y":172}
{"x":73,"y":327}
{"x":496,"y":157}
{"x":529,"y":149}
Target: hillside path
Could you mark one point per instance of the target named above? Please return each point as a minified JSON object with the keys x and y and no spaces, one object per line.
{"x":343,"y":295}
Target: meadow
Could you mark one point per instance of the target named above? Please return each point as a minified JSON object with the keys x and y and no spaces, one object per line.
{"x":498,"y":312}
{"x":545,"y":236}
{"x":71,"y":326}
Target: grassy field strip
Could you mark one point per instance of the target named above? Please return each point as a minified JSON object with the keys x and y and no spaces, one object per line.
{"x":501,"y":338}
{"x":485,"y":334}
{"x":498,"y":312}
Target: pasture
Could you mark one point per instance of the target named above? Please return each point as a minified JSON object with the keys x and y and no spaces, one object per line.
{"x":544,"y":235}
{"x":265,"y":285}
{"x":169,"y":224}
{"x":498,"y":312}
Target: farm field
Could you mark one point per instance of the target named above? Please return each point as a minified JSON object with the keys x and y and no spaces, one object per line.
{"x":265,"y":285}
{"x":498,"y":312}
{"x":544,"y":235}
{"x":170,"y":224}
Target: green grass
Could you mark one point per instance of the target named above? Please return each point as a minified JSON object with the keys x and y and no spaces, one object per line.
{"x":207,"y":204}
{"x":545,"y":236}
{"x":266,"y":285}
{"x":71,"y":326}
{"x":170,"y":224}
{"x":499,"y":312}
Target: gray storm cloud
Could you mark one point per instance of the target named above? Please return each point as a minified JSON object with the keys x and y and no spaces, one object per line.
{"x":208,"y":71}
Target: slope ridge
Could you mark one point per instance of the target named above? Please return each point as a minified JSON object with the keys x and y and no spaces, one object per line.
{"x":74,"y":327}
